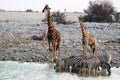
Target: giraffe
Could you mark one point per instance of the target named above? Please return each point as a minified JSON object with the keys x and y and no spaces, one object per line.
{"x":87,"y":39}
{"x":53,"y":36}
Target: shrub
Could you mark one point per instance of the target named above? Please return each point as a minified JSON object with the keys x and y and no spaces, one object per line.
{"x":58,"y":17}
{"x":100,"y":11}
{"x":29,"y":10}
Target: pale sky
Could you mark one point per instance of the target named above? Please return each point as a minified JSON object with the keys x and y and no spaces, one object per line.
{"x":37,"y":5}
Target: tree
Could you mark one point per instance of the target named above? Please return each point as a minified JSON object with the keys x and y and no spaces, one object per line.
{"x":29,"y":10}
{"x":100,"y":10}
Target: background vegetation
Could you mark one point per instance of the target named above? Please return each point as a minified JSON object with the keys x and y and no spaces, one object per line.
{"x":99,"y":11}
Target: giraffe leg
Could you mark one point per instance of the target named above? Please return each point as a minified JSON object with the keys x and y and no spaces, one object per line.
{"x":93,"y":51}
{"x":58,"y":42}
{"x":54,"y":46}
{"x":96,"y":51}
{"x":49,"y":45}
{"x":85,"y":48}
{"x":58,"y":46}
{"x":94,"y":48}
{"x":51,"y":52}
{"x":85,"y":45}
{"x":54,"y":49}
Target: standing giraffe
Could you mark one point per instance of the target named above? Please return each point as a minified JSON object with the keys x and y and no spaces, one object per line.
{"x":87,"y":39}
{"x":53,"y":35}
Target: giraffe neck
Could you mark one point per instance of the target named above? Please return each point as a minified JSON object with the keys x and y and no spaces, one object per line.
{"x":50,"y":24}
{"x":84,"y":31}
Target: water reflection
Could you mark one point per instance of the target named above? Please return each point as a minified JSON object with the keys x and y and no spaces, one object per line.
{"x":36,"y":71}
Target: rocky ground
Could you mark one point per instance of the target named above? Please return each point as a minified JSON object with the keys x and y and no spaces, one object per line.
{"x":16,"y":43}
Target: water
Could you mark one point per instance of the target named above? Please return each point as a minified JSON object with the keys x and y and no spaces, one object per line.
{"x":36,"y":71}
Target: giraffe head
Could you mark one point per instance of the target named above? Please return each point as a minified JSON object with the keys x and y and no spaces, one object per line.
{"x":46,"y":8}
{"x":81,"y":18}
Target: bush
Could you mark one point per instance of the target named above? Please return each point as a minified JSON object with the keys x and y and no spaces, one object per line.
{"x":58,"y":17}
{"x":99,"y":11}
{"x":88,"y":18}
{"x":29,"y":10}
